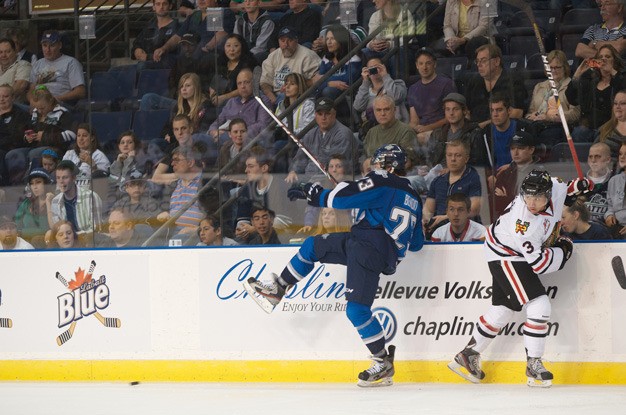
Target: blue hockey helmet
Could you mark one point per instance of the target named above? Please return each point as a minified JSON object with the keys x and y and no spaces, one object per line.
{"x":536,"y":183}
{"x":390,"y":155}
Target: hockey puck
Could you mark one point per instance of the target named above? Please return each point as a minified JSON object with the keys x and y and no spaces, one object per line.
{"x":134,"y":383}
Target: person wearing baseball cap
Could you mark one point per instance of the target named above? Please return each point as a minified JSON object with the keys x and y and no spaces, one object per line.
{"x":62,"y":75}
{"x":31,"y":217}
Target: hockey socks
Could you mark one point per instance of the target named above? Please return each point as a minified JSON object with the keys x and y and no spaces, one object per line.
{"x":300,"y":265}
{"x":368,"y":327}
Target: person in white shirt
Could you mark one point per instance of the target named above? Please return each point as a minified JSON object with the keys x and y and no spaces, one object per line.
{"x":9,"y":238}
{"x":460,"y":228}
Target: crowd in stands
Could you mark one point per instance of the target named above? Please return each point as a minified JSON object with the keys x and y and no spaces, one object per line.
{"x":217,"y":173}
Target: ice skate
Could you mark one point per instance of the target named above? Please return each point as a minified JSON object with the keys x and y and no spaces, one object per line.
{"x":380,"y":373}
{"x":267,"y":295}
{"x":467,"y":365}
{"x":538,"y":375}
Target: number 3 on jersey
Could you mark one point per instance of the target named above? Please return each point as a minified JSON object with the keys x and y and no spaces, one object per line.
{"x":405,"y":218}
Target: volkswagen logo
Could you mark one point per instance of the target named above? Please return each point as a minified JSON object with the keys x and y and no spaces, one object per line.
{"x":387,"y":320}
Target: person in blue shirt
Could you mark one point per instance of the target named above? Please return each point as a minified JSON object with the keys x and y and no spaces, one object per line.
{"x":388,"y":222}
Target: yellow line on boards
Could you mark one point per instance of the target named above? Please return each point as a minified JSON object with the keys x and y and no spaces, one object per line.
{"x":312,"y":371}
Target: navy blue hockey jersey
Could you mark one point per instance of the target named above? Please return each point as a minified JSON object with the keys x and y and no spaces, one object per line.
{"x":384,"y":201}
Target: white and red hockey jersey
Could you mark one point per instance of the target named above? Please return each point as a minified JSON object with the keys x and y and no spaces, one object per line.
{"x":473,"y":231}
{"x":519,"y":235}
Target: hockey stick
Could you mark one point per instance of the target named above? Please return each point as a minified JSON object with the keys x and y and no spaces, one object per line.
{"x":296,"y":140}
{"x":527,"y":9}
{"x":6,"y":323}
{"x":618,"y":270}
{"x":67,"y":334}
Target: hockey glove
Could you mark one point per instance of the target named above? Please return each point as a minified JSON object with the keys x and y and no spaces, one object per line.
{"x":566,"y":245}
{"x":298,"y":191}
{"x":314,"y":191}
{"x":579,"y":186}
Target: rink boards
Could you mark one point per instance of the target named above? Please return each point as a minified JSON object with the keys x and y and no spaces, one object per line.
{"x":182,"y":315}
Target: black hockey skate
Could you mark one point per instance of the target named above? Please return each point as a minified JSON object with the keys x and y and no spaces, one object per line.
{"x":380,"y":373}
{"x":538,"y":375}
{"x":267,"y":295}
{"x":467,"y":365}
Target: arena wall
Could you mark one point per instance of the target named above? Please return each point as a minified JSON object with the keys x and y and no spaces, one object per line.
{"x":184,"y":316}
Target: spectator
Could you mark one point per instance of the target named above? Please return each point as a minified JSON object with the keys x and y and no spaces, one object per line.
{"x":460,"y":178}
{"x":136,"y":200}
{"x":49,"y":161}
{"x":256,"y":27}
{"x":263,"y":222}
{"x":183,"y":129}
{"x":131,"y":157}
{"x":242,"y":106}
{"x":62,"y":75}
{"x":593,"y":90}
{"x":338,"y":46}
{"x":237,"y":131}
{"x":264,"y":188}
{"x":460,"y":228}
{"x":389,"y":130}
{"x":209,"y":40}
{"x":615,"y":215}
{"x":32,"y":214}
{"x":357,"y":33}
{"x":210,"y":230}
{"x":599,"y":173}
{"x":62,"y":235}
{"x":123,"y":232}
{"x":187,"y":165}
{"x":235,"y":58}
{"x":501,"y":130}
{"x":13,"y":122}
{"x":185,"y":9}
{"x":506,"y":183}
{"x":457,"y":127}
{"x":491,"y":79}
{"x":327,"y":138}
{"x":51,"y":125}
{"x":611,"y":31}
{"x":86,"y":155}
{"x":79,"y":205}
{"x":543,"y":110}
{"x":302,"y":16}
{"x":576,"y":223}
{"x":613,"y":132}
{"x":333,"y":220}
{"x":425,"y":97}
{"x":13,"y":71}
{"x":398,"y":21}
{"x":377,"y":81}
{"x":153,"y":36}
{"x":466,"y":27}
{"x":290,"y":57}
{"x":20,"y":36}
{"x":9,"y":237}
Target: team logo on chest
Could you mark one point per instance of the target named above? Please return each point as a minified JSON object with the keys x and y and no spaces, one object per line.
{"x":546,"y":225}
{"x":521,"y":227}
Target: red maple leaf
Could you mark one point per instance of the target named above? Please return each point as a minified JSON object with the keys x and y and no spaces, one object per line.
{"x":79,"y":279}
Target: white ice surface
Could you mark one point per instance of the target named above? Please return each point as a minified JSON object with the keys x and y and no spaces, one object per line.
{"x":17,"y":398}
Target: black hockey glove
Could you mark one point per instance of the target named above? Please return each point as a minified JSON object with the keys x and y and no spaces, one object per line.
{"x":298,"y":191}
{"x":313,"y":194}
{"x":566,"y":245}
{"x":579,"y":187}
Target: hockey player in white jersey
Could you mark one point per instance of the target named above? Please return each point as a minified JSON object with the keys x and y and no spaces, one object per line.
{"x":520,"y":245}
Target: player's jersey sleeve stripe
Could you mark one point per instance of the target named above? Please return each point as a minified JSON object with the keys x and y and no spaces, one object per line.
{"x":331,"y":195}
{"x":545,"y":264}
{"x":513,"y":278}
{"x":496,"y":246}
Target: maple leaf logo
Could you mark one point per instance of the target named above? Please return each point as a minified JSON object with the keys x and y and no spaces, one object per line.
{"x":79,"y":279}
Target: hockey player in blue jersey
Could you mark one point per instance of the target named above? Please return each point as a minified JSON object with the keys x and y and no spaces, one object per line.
{"x":388,"y":223}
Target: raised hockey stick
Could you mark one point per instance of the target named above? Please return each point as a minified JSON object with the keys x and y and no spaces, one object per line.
{"x":618,"y":270}
{"x":6,"y":323}
{"x":296,"y":140}
{"x":527,"y":9}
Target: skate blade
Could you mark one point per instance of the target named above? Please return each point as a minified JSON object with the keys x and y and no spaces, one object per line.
{"x":258,"y":298}
{"x":375,"y":384}
{"x":461,"y":371}
{"x":536,"y":383}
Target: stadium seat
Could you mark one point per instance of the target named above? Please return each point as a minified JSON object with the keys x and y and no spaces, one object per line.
{"x":452,"y":67}
{"x":126,"y":77}
{"x":578,"y":20}
{"x":150,"y":80}
{"x":561,"y":152}
{"x":149,"y":124}
{"x":104,"y":91}
{"x":108,"y":126}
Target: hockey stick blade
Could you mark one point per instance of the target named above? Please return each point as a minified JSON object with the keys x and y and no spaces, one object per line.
{"x":6,"y":323}
{"x":111,"y":322}
{"x":67,"y":334}
{"x":618,"y":270}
